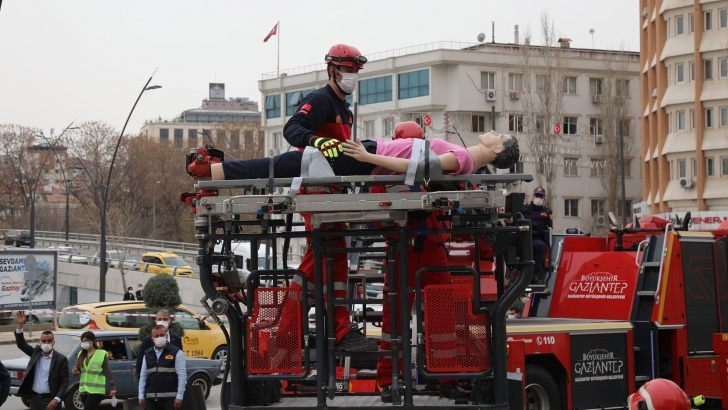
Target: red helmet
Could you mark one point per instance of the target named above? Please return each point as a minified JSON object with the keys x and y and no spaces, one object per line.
{"x":408,"y":129}
{"x":341,"y":54}
{"x":659,"y":394}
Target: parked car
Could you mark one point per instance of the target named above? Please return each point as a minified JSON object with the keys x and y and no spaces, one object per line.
{"x":165,"y":263}
{"x":123,"y":348}
{"x":69,"y":254}
{"x":17,"y":237}
{"x":116,"y":259}
{"x":201,"y":339}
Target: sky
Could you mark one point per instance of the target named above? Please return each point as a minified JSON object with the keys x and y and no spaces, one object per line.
{"x":87,"y":60}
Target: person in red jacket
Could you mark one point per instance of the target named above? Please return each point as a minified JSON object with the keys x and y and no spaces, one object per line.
{"x":323,"y":120}
{"x":423,"y":251}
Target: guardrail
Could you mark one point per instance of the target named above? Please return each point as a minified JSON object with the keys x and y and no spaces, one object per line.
{"x":91,"y":241}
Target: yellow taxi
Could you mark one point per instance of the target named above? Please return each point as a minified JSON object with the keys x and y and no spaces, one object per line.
{"x":201,"y":340}
{"x":165,"y":263}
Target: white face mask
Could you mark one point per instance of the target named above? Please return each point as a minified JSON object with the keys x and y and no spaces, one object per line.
{"x":538,"y":201}
{"x":46,"y":347}
{"x":348,"y":82}
{"x":85,"y":345}
{"x":160,"y":341}
{"x":163,"y":323}
{"x":511,"y":316}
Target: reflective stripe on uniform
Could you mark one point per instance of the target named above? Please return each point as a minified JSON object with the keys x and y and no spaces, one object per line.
{"x":338,"y":286}
{"x":299,"y":281}
{"x":161,"y":395}
{"x":92,"y":379}
{"x":161,"y":370}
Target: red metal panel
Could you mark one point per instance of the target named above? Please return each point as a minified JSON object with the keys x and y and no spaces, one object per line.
{"x":272,"y":348}
{"x":701,"y":377}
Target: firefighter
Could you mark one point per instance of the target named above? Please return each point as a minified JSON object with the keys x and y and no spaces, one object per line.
{"x":542,"y":221}
{"x":323,"y":120}
{"x":423,"y":251}
{"x":662,"y":394}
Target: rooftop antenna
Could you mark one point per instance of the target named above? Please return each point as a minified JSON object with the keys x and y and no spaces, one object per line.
{"x":591,"y":31}
{"x":494,"y":32}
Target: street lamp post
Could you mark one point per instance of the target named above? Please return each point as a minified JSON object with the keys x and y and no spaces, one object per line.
{"x":102,"y":244}
{"x":154,"y":208}
{"x":68,"y":194}
{"x":65,"y":180}
{"x":35,"y":185}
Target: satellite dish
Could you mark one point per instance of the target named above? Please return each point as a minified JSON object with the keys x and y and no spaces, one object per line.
{"x":591,"y":31}
{"x":481,"y":37}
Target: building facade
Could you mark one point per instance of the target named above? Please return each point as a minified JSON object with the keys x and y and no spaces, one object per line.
{"x":199,"y":126}
{"x":684,"y":104}
{"x":466,"y":88}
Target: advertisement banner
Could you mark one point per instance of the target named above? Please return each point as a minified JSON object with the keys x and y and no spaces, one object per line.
{"x":28,"y":279}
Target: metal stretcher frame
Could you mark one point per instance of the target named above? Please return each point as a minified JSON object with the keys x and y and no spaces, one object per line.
{"x":204,"y":223}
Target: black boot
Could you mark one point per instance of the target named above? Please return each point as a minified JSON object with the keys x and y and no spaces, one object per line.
{"x":386,"y":394}
{"x":355,"y":341}
{"x":453,"y":391}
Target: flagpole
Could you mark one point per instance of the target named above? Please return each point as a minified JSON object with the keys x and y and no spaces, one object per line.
{"x":278,"y":63}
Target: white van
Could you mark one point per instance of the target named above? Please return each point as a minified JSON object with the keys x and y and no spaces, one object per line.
{"x":241,"y":250}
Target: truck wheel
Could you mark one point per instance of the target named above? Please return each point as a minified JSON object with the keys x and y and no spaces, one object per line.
{"x":73,"y":399}
{"x":542,"y":393}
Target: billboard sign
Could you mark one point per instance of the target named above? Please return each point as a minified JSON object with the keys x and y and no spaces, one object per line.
{"x":28,"y":278}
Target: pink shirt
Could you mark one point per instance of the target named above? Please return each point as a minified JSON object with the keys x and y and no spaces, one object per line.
{"x":402,"y":148}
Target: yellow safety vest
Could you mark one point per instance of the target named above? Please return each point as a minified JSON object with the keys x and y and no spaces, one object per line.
{"x":93,"y":380}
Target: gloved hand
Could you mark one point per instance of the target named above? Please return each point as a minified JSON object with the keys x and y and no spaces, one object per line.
{"x":328,"y":146}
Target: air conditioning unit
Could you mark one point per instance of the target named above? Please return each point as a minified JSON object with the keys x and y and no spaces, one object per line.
{"x":601,"y":220}
{"x":686,"y":182}
{"x":596,"y":98}
{"x":515,"y":95}
{"x":490,"y":95}
{"x":599,"y":139}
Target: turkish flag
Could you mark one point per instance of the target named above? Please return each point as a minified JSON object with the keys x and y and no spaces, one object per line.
{"x":272,"y":32}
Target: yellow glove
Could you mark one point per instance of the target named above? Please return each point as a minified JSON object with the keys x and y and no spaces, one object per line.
{"x":328,"y":146}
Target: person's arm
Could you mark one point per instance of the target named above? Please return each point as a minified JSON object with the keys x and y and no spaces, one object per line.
{"x":143,"y":379}
{"x":176,"y":341}
{"x":20,"y":339}
{"x":62,"y":375}
{"x":301,"y":127}
{"x":181,"y":368}
{"x":356,"y":150}
{"x":106,"y":369}
{"x":4,"y":384}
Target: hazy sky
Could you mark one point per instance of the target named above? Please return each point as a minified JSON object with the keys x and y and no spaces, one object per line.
{"x":88,"y":59}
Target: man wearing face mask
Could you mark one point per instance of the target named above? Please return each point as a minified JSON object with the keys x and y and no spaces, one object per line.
{"x":163,"y":319}
{"x":542,"y":221}
{"x":140,"y":292}
{"x":46,"y":377}
{"x":324,"y":120}
{"x":164,"y":376}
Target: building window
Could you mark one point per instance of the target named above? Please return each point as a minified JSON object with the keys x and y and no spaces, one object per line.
{"x":487,"y":80}
{"x":708,"y":20}
{"x":164,"y":134}
{"x":369,"y":130}
{"x":622,"y":87}
{"x":569,"y":85}
{"x":277,"y":140}
{"x":414,"y":84}
{"x":515,"y":82}
{"x":679,"y":29}
{"x":722,"y":18}
{"x":598,"y":207}
{"x":192,"y":134}
{"x":691,"y":23}
{"x":708,"y":118}
{"x":478,"y":123}
{"x":179,"y":135}
{"x":543,"y":85}
{"x":571,"y":207}
{"x":724,"y":116}
{"x":350,"y":99}
{"x":626,"y":127}
{"x":293,"y":100}
{"x":417,"y":117}
{"x":595,"y":126}
{"x":375,"y":90}
{"x":518,"y":169}
{"x":248,"y":139}
{"x":273,"y":106}
{"x":627,"y":205}
{"x":234,"y":139}
{"x":595,"y":86}
{"x":680,"y":73}
{"x":515,"y":122}
{"x":692,"y":119}
{"x":541,"y":168}
{"x":708,"y":69}
{"x":208,"y":134}
{"x":569,"y":127}
{"x":692,"y":70}
{"x":711,"y":166}
{"x":628,"y":167}
{"x":597,"y":168}
{"x":723,"y":67}
{"x":681,"y":120}
{"x":724,"y":166}
{"x":682,"y":171}
{"x":388,"y":127}
{"x":694,"y":167}
{"x":571,"y":166}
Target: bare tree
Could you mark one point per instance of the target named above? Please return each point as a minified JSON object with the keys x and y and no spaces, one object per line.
{"x":543,"y":73}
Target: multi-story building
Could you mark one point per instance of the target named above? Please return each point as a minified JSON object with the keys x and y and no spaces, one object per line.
{"x":468,"y":89}
{"x":684,"y":104}
{"x":198,"y":126}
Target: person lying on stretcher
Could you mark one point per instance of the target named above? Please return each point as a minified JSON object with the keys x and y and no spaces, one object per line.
{"x":376,"y":158}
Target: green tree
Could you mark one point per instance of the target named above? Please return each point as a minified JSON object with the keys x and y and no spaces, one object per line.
{"x":162,"y":292}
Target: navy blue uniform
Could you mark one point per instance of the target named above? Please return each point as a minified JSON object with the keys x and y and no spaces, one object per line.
{"x":542,"y":219}
{"x":321,"y":113}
